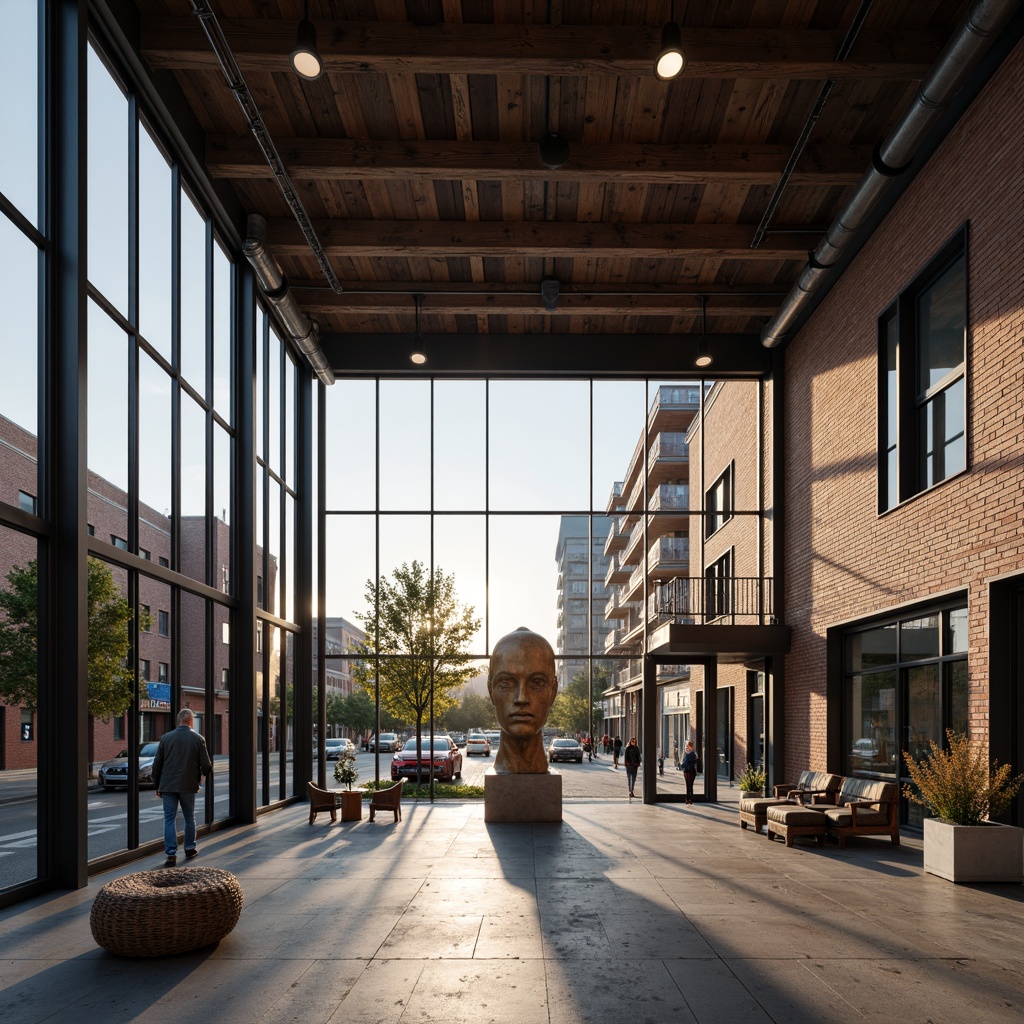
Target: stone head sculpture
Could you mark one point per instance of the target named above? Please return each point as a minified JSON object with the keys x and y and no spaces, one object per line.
{"x":522,"y":686}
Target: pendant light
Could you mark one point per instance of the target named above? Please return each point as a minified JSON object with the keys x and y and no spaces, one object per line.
{"x":305,"y":57}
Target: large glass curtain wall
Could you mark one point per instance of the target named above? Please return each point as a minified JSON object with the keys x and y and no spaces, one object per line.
{"x":529,"y":495}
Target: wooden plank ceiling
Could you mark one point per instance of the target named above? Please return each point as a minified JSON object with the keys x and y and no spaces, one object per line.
{"x":415,"y":155}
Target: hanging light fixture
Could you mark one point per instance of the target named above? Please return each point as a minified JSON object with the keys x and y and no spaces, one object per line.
{"x":704,"y":357}
{"x":671,"y":58}
{"x":419,"y":352}
{"x":305,"y":57}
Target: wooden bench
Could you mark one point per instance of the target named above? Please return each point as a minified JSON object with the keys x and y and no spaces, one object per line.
{"x":388,"y":800}
{"x":810,"y":788}
{"x":322,"y":800}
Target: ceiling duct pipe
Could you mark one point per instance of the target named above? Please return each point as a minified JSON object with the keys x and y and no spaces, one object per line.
{"x":984,"y":21}
{"x":301,"y":328}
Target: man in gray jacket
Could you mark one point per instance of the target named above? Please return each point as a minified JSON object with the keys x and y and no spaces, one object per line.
{"x":181,"y":762}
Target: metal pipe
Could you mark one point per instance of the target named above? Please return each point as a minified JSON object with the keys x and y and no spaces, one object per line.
{"x":959,"y":58}
{"x":302,"y":329}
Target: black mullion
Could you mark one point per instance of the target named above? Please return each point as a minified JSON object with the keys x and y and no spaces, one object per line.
{"x":376,"y":589}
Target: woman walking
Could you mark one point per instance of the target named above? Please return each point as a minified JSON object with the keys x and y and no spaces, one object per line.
{"x":689,"y":767}
{"x":632,"y":760}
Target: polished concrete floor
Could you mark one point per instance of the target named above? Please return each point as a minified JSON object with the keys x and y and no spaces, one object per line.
{"x":621,"y":914}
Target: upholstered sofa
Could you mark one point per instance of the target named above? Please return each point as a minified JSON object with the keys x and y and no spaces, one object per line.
{"x":809,"y":788}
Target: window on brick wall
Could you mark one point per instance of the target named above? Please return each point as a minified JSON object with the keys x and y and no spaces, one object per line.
{"x":904,"y":685}
{"x":719,"y":503}
{"x":922,"y":392}
{"x":718,"y":588}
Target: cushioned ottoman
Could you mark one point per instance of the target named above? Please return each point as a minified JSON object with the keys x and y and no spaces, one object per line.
{"x":160,"y":913}
{"x":791,"y":820}
{"x":754,"y":809}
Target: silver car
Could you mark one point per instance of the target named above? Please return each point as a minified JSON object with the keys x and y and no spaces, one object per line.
{"x":114,"y":773}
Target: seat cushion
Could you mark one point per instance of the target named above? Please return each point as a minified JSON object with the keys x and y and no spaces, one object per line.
{"x":758,"y":805}
{"x":796,"y":816}
{"x":842,"y":817}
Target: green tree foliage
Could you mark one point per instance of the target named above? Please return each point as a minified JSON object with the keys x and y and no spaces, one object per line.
{"x":358,"y":712}
{"x":335,"y":709}
{"x":421,"y":636}
{"x":110,"y":677}
{"x":474,"y":712}
{"x":571,"y":712}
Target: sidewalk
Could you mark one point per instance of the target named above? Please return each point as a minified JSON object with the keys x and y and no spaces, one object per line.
{"x":622,"y":912}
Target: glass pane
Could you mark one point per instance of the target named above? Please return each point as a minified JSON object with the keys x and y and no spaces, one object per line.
{"x":217,"y":730}
{"x":19,"y":291}
{"x":262,"y":328}
{"x":264,"y":712}
{"x":539,"y":435}
{"x":154,"y":440}
{"x":351,"y":439}
{"x":405,"y":445}
{"x":108,"y":185}
{"x":222,"y":333}
{"x":290,"y":412}
{"x":193,"y":689}
{"x":403,"y":540}
{"x":222,"y":521}
{"x":924,"y":712}
{"x":523,"y":583}
{"x":919,"y":638}
{"x":956,"y":633}
{"x":871,"y":648}
{"x":617,"y":438}
{"x":288,"y":716}
{"x":108,"y":425}
{"x":954,"y":437}
{"x":19,"y":107}
{"x":958,"y":717}
{"x":18,"y":595}
{"x":315,"y":503}
{"x":274,"y":548}
{"x":193,"y":295}
{"x":676,"y":727}
{"x":871,"y":723}
{"x":193,"y":489}
{"x":460,"y":445}
{"x":460,"y":547}
{"x":351,"y":563}
{"x":274,"y":402}
{"x":291,"y":559}
{"x":155,"y":245}
{"x":260,"y":553}
{"x":941,"y":321}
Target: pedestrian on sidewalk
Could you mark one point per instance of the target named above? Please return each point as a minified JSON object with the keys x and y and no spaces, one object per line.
{"x":632,"y":760}
{"x":616,"y":752}
{"x":689,"y":767}
{"x":181,"y":763}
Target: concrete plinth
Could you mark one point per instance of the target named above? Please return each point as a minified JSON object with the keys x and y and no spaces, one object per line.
{"x":521,"y":797}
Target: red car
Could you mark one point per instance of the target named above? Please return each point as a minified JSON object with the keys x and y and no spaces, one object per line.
{"x":447,"y":760}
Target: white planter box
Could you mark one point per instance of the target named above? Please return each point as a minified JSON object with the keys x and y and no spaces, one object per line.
{"x":989,"y":852}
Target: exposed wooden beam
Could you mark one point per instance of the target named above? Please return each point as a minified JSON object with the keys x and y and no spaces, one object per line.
{"x":454,"y":302}
{"x":232,"y":156}
{"x":431,"y":239}
{"x":263,"y":44}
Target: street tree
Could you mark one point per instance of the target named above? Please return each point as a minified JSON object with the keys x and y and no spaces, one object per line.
{"x":474,"y":712}
{"x":572,"y":712}
{"x":358,"y":712}
{"x":419,"y":632}
{"x":110,"y":675}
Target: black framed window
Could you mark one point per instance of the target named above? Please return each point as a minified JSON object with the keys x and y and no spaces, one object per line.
{"x":922,"y":340}
{"x":718,"y":502}
{"x":905,"y":684}
{"x":717,"y":589}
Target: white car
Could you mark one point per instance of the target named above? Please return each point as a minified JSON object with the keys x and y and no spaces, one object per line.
{"x":478,"y":743}
{"x":337,"y":747}
{"x":494,"y":735}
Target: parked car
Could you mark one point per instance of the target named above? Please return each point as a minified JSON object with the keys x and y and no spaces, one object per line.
{"x":113,"y":774}
{"x":494,"y":735}
{"x":458,"y":738}
{"x":864,"y":753}
{"x":337,"y":747}
{"x":478,"y":743}
{"x":447,"y":759}
{"x":564,"y":748}
{"x":389,"y":742}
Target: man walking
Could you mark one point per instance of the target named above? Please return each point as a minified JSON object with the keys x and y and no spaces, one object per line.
{"x":181,"y":762}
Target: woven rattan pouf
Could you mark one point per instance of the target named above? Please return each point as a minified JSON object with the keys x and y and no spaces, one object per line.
{"x":160,"y":913}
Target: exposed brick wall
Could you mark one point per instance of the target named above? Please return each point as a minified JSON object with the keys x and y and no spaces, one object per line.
{"x":843,"y":560}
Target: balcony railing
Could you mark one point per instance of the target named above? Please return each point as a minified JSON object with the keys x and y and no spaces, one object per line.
{"x":727,"y":600}
{"x":669,"y":445}
{"x":670,"y":497}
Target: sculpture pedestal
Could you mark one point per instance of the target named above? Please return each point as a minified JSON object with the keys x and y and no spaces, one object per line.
{"x":522,"y":797}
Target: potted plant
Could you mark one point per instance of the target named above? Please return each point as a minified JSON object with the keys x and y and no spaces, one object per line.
{"x":963,"y":790}
{"x":346,"y":772}
{"x":752,"y":780}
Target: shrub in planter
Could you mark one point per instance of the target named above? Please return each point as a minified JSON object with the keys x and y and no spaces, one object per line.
{"x":963,"y":789}
{"x":752,"y":779}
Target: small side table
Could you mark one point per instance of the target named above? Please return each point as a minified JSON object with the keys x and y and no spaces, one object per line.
{"x":352,"y":804}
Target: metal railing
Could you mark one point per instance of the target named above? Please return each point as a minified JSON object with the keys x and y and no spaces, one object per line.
{"x":726,"y":600}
